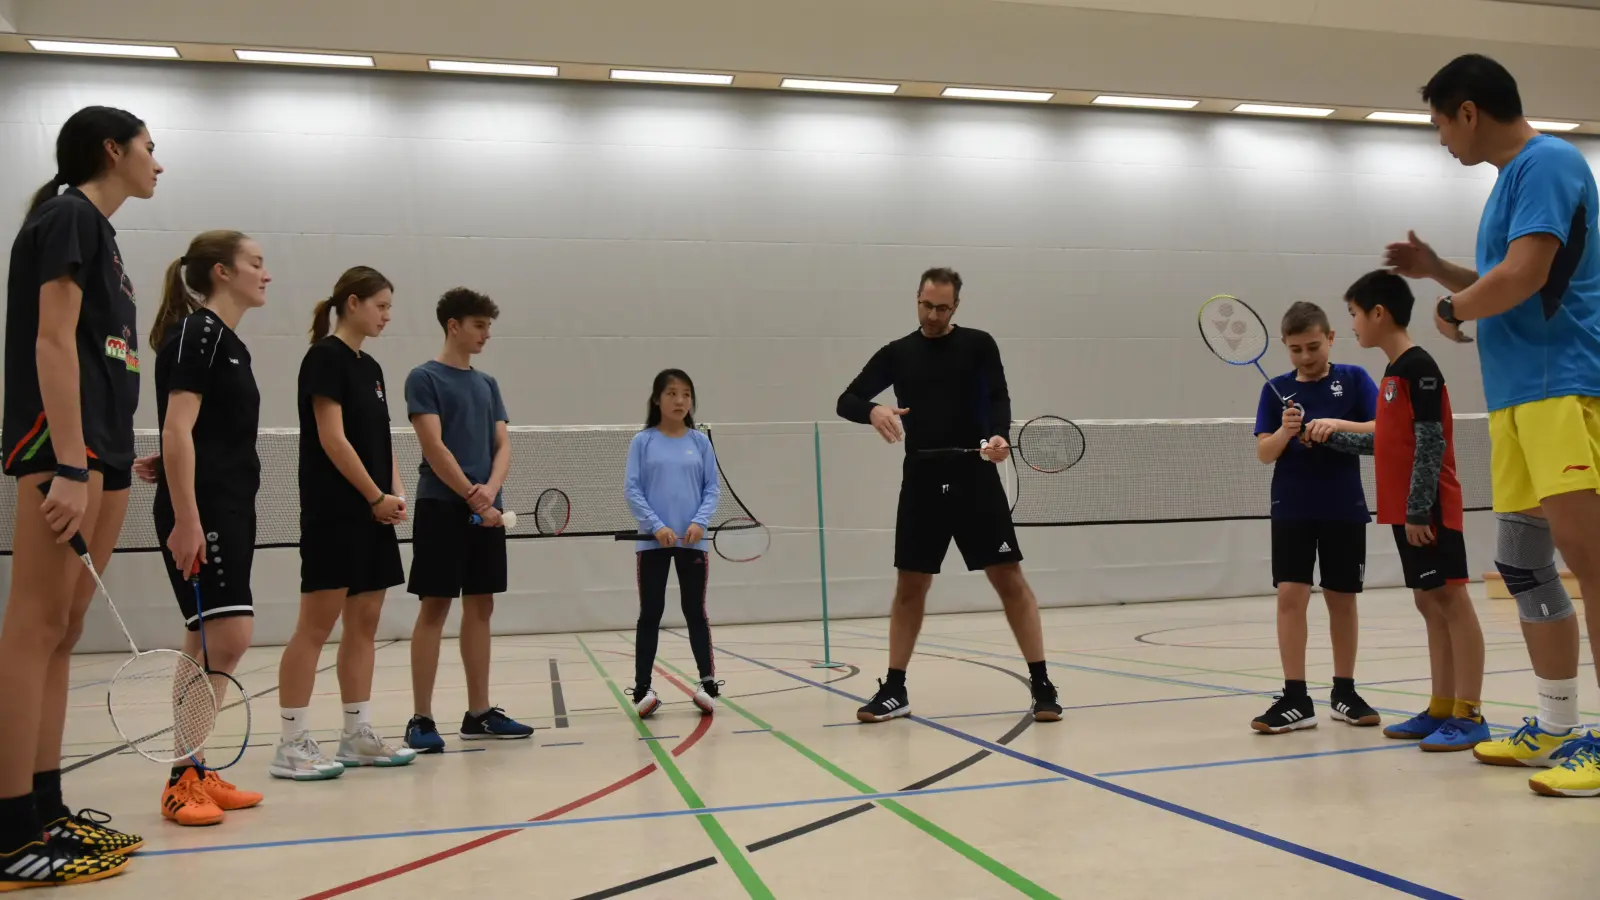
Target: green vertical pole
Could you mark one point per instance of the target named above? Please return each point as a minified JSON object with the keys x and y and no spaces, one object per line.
{"x":822,"y":552}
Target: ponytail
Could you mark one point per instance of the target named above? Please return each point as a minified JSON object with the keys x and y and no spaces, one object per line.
{"x":322,"y":320}
{"x":176,"y":304}
{"x":46,"y":193}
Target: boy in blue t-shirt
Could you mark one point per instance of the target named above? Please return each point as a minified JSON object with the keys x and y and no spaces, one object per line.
{"x":1319,"y":513}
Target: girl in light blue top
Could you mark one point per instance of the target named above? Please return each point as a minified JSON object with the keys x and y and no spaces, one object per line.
{"x":672,"y":488}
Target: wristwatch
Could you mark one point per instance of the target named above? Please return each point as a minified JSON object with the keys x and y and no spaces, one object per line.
{"x":72,"y":473}
{"x":1447,"y":310}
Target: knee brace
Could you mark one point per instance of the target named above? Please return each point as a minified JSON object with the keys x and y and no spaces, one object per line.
{"x":1526,"y":558}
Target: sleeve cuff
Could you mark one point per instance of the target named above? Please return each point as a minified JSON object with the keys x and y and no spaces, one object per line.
{"x":1419,"y":519}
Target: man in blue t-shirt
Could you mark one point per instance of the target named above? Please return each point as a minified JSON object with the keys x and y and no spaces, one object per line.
{"x":458,"y":541}
{"x":1319,"y":513}
{"x":1536,"y":296}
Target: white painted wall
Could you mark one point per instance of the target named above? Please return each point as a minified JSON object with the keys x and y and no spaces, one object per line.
{"x":768,"y":244}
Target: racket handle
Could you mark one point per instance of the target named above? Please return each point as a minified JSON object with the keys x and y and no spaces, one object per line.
{"x":633,"y":536}
{"x":78,"y":546}
{"x":508,"y":519}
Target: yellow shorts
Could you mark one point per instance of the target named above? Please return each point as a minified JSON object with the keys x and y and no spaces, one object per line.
{"x":1542,"y":449}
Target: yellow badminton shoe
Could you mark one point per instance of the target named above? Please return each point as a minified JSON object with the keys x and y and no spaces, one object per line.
{"x":1530,"y":745}
{"x":1578,"y":774}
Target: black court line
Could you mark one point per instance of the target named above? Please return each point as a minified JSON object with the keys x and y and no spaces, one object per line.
{"x":690,"y":868}
{"x":556,"y":696}
{"x":128,"y":746}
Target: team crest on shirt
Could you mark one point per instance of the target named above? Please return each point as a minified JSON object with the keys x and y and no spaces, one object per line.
{"x":120,"y":348}
{"x":1388,"y":391}
{"x":1337,"y":388}
{"x":378,"y":389}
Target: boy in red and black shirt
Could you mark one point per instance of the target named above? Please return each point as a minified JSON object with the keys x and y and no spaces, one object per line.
{"x":1420,"y":497}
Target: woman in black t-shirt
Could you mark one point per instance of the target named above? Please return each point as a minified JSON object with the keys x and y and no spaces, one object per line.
{"x":350,"y":501}
{"x":208,"y":407}
{"x":71,"y":387}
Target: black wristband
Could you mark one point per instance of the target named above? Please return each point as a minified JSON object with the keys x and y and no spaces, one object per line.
{"x":72,"y":473}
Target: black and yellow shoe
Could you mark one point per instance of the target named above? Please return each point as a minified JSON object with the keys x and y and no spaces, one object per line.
{"x":87,"y":833}
{"x":55,"y":863}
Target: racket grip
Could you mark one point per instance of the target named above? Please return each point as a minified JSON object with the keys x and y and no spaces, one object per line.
{"x":633,"y":536}
{"x":508,"y":519}
{"x":76,"y":541}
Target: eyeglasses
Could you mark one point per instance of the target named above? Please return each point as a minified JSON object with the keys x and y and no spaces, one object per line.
{"x":936,"y":309}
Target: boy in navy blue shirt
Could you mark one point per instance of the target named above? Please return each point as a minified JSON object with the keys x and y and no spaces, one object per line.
{"x":1319,"y":513}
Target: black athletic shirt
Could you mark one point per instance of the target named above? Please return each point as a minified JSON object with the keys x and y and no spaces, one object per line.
{"x":355,"y":381}
{"x":202,"y":355}
{"x":954,"y":387}
{"x":67,"y":235}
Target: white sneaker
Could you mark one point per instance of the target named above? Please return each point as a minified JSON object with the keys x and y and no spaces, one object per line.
{"x":706,"y":696}
{"x":300,"y":758}
{"x":363,"y":747}
{"x":646,"y":704}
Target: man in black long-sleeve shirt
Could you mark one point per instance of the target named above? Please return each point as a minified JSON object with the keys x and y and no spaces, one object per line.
{"x":950,"y":391}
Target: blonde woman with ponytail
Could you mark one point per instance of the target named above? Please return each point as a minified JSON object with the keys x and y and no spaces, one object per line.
{"x":209,"y":409}
{"x":350,"y":501}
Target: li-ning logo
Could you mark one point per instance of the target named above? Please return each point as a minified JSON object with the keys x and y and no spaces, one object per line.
{"x":1574,"y":469}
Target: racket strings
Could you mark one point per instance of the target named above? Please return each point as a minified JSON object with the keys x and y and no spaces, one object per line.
{"x":163,"y":705}
{"x":1050,"y":444}
{"x":1233,"y":331}
{"x":553,"y":511}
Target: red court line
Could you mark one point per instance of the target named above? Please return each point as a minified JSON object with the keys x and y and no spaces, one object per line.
{"x":694,"y":736}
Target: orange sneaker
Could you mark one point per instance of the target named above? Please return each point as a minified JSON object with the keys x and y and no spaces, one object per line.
{"x":226,"y":795}
{"x":187,"y":802}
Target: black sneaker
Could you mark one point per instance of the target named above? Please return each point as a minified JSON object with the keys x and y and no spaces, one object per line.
{"x":51,"y":862}
{"x":422,"y":735}
{"x":1351,"y":708}
{"x":87,"y":833}
{"x":1287,"y":714}
{"x":493,"y":725}
{"x":888,"y":703}
{"x":1046,"y":708}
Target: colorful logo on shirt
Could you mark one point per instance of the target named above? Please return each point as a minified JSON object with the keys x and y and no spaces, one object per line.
{"x":118,"y":348}
{"x":1388,"y":391}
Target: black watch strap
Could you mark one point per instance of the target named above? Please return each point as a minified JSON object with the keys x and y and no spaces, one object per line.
{"x":1447,"y":310}
{"x":72,"y":473}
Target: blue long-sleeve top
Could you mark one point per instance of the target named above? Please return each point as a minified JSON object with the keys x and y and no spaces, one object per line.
{"x":672,"y":482}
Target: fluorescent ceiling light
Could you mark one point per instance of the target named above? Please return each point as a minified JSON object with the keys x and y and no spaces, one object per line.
{"x":670,"y":77}
{"x":849,"y":87}
{"x":1146,"y":102}
{"x":309,"y":59}
{"x":1408,"y":117}
{"x":965,"y":93}
{"x":1268,"y":109}
{"x":104,"y":49}
{"x":488,"y":68}
{"x":1553,"y":126}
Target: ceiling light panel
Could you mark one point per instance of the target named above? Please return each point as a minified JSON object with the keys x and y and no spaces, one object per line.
{"x":848,"y":87}
{"x":304,"y":59}
{"x":1146,"y":102}
{"x":965,"y":93}
{"x":670,"y":77}
{"x":491,"y":68}
{"x":142,"y":50}
{"x":1270,"y":109}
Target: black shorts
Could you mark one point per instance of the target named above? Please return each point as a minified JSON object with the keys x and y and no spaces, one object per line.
{"x":225,"y":577}
{"x":960,"y":499}
{"x":1435,"y":565}
{"x":450,"y":556}
{"x":356,"y":556}
{"x":1340,"y":547}
{"x":113,"y":478}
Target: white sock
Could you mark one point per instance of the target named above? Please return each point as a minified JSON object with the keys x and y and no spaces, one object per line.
{"x":294,"y":720}
{"x":1558,"y":704}
{"x":356,"y":715}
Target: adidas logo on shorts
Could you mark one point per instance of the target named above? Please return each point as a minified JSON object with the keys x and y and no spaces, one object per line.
{"x":1005,"y":546}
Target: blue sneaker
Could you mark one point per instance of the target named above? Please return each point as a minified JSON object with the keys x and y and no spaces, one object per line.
{"x":1456,"y":734}
{"x":493,"y":725}
{"x":1415,"y":728}
{"x":422,"y":735}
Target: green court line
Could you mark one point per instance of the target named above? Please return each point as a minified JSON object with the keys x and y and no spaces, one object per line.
{"x":984,"y":861}
{"x":1239,"y":673}
{"x":725,"y":845}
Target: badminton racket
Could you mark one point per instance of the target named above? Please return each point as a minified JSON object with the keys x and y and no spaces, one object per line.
{"x":1047,"y":444}
{"x":552,"y":512}
{"x":160,"y":701}
{"x":230,"y":746}
{"x":1236,"y":334}
{"x":740,"y":539}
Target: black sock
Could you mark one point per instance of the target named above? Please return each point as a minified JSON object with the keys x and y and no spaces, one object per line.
{"x":19,"y":823}
{"x":1294,"y":690}
{"x":897,"y":678}
{"x":47,"y":796}
{"x":177,"y":773}
{"x":1343,"y":687}
{"x":1037,"y":673}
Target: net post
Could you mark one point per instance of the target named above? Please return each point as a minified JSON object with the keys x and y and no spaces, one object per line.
{"x":822,"y":553}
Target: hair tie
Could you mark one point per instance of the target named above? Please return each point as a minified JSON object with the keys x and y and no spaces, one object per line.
{"x":183,"y":260}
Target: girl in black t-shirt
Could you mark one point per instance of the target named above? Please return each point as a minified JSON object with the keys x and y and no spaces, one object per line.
{"x":350,"y":501}
{"x":209,"y":408}
{"x":71,"y":387}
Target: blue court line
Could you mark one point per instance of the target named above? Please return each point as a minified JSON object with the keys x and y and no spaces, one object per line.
{"x":1486,"y":674}
{"x":593,"y":820}
{"x":660,"y":737}
{"x":1408,"y":745}
{"x":1232,"y":691}
{"x":565,"y":744}
{"x":754,"y":731}
{"x":1317,"y":856}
